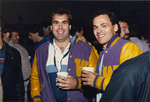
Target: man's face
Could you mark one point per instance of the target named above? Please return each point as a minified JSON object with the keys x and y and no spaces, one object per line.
{"x":6,"y":37}
{"x":103,"y":29}
{"x":46,"y":31}
{"x":124,"y":30}
{"x":60,"y":27}
{"x":15,"y":37}
{"x":33,"y":37}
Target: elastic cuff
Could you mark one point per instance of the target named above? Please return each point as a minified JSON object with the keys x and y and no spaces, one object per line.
{"x":98,"y":82}
{"x":36,"y":97}
{"x":95,"y":80}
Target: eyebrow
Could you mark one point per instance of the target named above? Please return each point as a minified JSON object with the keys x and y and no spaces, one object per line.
{"x":103,"y":23}
{"x":62,"y":21}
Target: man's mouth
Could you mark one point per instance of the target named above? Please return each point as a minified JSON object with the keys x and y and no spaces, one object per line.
{"x":60,"y":31}
{"x":100,"y":35}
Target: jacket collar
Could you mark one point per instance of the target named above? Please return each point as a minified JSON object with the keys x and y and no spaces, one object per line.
{"x":113,"y":40}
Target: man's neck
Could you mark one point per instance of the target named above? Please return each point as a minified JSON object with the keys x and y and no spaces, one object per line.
{"x":62,"y":44}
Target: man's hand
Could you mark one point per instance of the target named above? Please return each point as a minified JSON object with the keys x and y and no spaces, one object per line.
{"x":82,"y":38}
{"x":66,"y":83}
{"x":88,"y":78}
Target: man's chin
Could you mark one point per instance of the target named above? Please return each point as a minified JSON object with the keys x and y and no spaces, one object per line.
{"x":60,"y":39}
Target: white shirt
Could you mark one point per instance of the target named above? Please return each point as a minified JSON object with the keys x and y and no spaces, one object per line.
{"x":56,"y":55}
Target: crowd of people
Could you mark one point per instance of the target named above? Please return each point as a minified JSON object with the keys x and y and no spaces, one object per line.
{"x":29,"y":71}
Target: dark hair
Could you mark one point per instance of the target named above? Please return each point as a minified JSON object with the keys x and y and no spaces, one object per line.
{"x":61,"y":11}
{"x":124,"y":20}
{"x":78,"y":28}
{"x":6,"y":29}
{"x":45,"y":24}
{"x":13,"y":28}
{"x":35,"y":28}
{"x":112,"y":16}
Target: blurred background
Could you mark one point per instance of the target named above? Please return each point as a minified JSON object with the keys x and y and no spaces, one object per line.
{"x":26,"y":12}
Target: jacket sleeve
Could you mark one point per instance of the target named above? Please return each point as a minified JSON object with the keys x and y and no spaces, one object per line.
{"x":34,"y":79}
{"x":129,"y":50}
{"x":92,"y":62}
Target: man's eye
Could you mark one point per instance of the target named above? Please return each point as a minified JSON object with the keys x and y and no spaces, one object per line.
{"x":55,"y":22}
{"x":104,"y":26}
{"x":94,"y":27}
{"x":65,"y":22}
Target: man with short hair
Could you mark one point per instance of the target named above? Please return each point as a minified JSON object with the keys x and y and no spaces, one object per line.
{"x":127,"y":34}
{"x":115,"y":51}
{"x":62,"y":53}
{"x":25,"y":61}
{"x":124,"y":29}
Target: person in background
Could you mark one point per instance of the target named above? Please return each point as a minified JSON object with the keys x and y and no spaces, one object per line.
{"x":10,"y":72}
{"x":124,"y":29}
{"x":115,"y":51}
{"x":6,"y":35}
{"x":146,"y":39}
{"x":127,"y":33}
{"x":79,"y":32}
{"x":25,"y":61}
{"x":35,"y":34}
{"x":46,"y":29}
{"x":62,"y":53}
{"x":130,"y":82}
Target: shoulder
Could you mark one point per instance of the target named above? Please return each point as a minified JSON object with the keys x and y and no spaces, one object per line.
{"x":131,"y":45}
{"x":129,"y":50}
{"x":11,"y":50}
{"x":84,"y":44}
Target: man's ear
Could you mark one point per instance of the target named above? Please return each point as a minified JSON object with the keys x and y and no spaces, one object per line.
{"x":51,"y":28}
{"x":70,"y":27}
{"x":116,"y":27}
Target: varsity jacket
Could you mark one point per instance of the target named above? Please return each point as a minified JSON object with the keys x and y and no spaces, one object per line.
{"x":81,"y":54}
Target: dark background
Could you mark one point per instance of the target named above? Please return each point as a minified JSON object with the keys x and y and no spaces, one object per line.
{"x":34,"y":12}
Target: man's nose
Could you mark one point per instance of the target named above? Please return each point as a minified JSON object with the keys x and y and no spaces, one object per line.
{"x":60,"y":26}
{"x":99,"y":30}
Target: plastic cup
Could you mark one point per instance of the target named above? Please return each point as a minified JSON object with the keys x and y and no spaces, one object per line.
{"x":91,"y":69}
{"x":63,"y":74}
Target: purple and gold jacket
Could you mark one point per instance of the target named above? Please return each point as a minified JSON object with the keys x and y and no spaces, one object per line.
{"x":117,"y":52}
{"x":81,"y":54}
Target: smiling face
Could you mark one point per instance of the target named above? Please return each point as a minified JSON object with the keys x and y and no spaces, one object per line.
{"x":60,"y":27}
{"x":103,"y":29}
